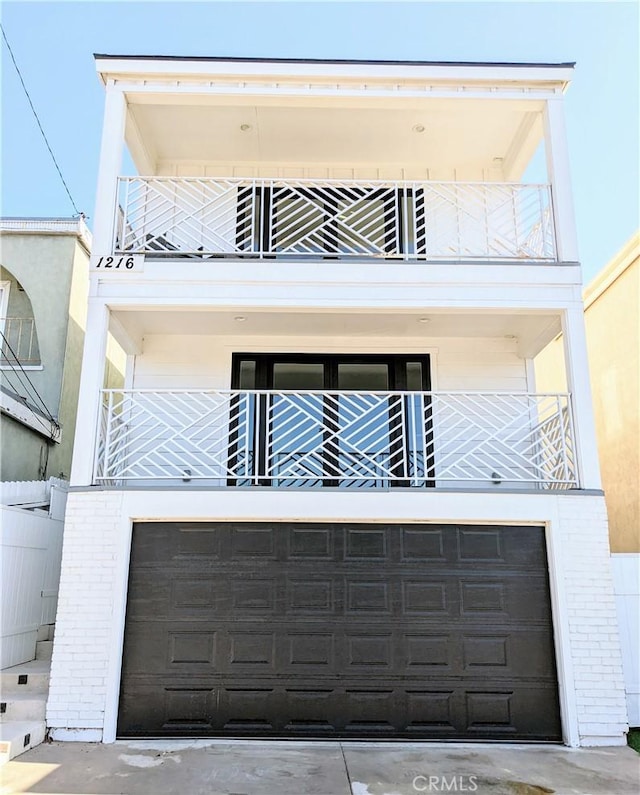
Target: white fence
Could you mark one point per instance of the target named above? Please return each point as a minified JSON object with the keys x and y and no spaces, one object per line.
{"x":626,"y":584}
{"x":346,"y":439}
{"x":51,"y":493}
{"x":202,"y":217}
{"x":31,"y":548}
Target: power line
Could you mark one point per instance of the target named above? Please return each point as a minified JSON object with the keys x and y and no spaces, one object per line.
{"x":21,"y":386}
{"x":36,"y":414}
{"x":53,"y":157}
{"x":20,"y":372}
{"x":20,"y":369}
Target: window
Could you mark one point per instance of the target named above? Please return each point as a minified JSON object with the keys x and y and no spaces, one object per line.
{"x":336,"y":420}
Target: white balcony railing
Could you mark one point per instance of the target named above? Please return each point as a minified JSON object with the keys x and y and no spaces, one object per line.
{"x":343,"y":439}
{"x":205,"y":217}
{"x":19,"y":342}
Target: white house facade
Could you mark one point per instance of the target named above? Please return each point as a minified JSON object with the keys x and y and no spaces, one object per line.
{"x":329,"y":501}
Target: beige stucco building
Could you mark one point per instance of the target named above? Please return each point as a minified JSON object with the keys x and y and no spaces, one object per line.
{"x":612,"y":306}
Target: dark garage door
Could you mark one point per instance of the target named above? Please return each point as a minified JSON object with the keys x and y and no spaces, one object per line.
{"x":316,"y":630}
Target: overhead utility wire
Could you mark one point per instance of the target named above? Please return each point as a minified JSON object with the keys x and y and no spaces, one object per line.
{"x":29,"y":383}
{"x":50,"y":426}
{"x":36,"y":414}
{"x":34,"y":411}
{"x":53,"y":157}
{"x":31,"y":392}
{"x":7,"y":347}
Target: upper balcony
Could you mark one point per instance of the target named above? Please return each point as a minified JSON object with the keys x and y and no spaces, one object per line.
{"x":334,"y":219}
{"x":334,"y":160}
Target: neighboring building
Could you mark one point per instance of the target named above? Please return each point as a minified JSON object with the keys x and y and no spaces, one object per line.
{"x":612,"y":319}
{"x":329,"y":501}
{"x":44,"y":281}
{"x":44,"y":284}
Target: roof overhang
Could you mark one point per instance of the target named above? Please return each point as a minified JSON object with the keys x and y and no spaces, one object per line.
{"x":352,"y":113}
{"x":117,"y":66}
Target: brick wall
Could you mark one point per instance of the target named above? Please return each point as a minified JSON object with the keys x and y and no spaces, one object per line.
{"x":593,"y":626}
{"x":94,"y":565}
{"x":79,"y":667}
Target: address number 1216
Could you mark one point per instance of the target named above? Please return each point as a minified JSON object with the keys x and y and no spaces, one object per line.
{"x":115,"y":262}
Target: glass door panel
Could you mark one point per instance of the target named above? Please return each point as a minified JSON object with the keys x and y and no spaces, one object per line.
{"x":298,"y":375}
{"x":363,"y":439}
{"x":366,"y":377}
{"x":295,"y":426}
{"x":418,"y":433}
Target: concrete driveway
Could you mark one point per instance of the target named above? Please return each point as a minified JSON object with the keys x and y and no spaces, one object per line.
{"x":325,"y":768}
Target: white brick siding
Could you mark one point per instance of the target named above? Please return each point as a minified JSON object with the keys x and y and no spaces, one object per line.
{"x":593,"y":625}
{"x":81,"y":653}
{"x":86,"y":655}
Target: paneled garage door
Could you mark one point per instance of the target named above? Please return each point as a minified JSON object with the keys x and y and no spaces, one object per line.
{"x":340,"y":630}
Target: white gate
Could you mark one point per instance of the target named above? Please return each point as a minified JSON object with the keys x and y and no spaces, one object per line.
{"x":31,"y":551}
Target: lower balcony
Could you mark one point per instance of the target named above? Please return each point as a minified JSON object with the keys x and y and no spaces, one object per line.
{"x":340,"y":439}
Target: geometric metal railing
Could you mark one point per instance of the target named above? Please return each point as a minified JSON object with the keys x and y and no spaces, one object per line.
{"x":19,"y":341}
{"x":343,"y":439}
{"x":410,"y":220}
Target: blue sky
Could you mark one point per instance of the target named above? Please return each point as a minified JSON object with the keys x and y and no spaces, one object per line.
{"x":54,"y":45}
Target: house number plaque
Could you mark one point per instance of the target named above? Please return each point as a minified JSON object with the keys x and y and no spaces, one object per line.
{"x":118,"y":263}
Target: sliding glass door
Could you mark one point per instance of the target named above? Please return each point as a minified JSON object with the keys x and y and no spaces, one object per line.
{"x":332,"y":420}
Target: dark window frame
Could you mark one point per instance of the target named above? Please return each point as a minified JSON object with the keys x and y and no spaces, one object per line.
{"x":263,"y":382}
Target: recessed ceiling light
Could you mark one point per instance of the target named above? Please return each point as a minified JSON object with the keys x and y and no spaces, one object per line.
{"x":498,"y":161}
{"x":240,"y":318}
{"x":510,"y":337}
{"x":424,"y":320}
{"x":245,"y":127}
{"x":418,"y":128}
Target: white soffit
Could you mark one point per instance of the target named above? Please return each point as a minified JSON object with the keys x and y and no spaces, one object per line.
{"x":340,"y":133}
{"x":531,"y":331}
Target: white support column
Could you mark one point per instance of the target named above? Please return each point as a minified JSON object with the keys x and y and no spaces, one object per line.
{"x":577,"y":367}
{"x":111,"y":150}
{"x":95,"y":341}
{"x":559,"y":172}
{"x":91,"y":380}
